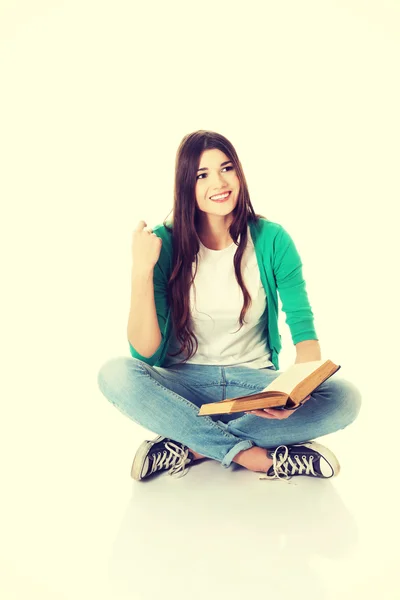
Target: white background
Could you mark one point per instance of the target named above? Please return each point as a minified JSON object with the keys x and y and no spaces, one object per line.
{"x":95,"y":98}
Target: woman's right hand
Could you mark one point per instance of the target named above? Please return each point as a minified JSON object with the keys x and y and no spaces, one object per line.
{"x":146,"y":247}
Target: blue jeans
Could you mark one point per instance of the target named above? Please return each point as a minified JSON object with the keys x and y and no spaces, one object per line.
{"x":167,"y":401}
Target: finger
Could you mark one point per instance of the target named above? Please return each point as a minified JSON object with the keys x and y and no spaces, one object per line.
{"x":261,"y":413}
{"x":278,"y":414}
{"x":279,"y":417}
{"x":141,"y":225}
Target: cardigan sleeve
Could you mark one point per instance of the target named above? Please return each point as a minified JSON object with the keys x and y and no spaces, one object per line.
{"x":287,"y":266}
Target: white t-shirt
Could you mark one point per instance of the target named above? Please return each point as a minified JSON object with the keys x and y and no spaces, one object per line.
{"x":216,"y":300}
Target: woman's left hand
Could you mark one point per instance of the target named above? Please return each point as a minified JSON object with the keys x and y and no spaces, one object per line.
{"x":271,"y":413}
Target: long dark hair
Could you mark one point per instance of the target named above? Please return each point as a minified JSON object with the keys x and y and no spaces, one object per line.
{"x":185,"y":239}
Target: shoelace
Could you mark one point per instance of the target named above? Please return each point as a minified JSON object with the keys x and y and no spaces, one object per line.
{"x":176,"y":459}
{"x":287,"y":466}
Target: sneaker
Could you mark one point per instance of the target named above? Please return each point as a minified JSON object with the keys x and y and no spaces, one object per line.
{"x":158,"y":455}
{"x":308,"y":458}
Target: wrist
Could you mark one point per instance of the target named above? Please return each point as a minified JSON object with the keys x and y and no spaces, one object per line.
{"x":139,"y":272}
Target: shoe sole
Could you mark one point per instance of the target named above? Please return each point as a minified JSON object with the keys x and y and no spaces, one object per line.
{"x":140,"y":456}
{"x":329,"y":456}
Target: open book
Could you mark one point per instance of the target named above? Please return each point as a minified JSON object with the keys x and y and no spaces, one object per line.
{"x":287,"y":391}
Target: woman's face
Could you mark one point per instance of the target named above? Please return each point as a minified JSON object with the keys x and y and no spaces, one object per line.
{"x":215,"y":178}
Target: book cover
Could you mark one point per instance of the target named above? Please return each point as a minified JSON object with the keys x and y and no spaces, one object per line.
{"x":287,"y":391}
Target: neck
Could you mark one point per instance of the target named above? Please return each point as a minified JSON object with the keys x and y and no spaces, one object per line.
{"x":214,"y":233}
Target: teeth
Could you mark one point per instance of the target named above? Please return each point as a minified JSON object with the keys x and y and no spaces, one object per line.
{"x":220,"y":196}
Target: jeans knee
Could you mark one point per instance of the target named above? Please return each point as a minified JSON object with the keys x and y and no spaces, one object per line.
{"x":353,"y":402}
{"x":112,"y":373}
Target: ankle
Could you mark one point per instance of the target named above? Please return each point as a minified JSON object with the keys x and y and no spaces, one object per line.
{"x":196,"y":455}
{"x":254,"y":459}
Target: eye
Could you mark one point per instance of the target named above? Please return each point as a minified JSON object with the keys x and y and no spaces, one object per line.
{"x":201,"y":174}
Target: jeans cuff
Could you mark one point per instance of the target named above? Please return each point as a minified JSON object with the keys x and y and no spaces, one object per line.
{"x":243,"y":445}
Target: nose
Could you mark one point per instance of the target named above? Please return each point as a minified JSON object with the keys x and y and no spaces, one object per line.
{"x":219,"y":182}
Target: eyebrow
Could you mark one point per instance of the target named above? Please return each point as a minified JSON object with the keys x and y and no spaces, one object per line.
{"x":222,"y":164}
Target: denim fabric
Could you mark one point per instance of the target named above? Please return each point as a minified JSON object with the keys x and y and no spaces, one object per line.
{"x":167,"y":401}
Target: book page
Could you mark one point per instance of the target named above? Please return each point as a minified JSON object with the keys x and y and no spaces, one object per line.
{"x":288,"y":380}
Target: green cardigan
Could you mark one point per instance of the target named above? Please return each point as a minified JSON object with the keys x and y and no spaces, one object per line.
{"x":280,"y":270}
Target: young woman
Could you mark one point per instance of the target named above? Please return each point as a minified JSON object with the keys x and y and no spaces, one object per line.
{"x":203,"y":327}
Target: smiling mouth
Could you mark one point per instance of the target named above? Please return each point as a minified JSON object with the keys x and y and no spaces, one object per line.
{"x":221,"y":197}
